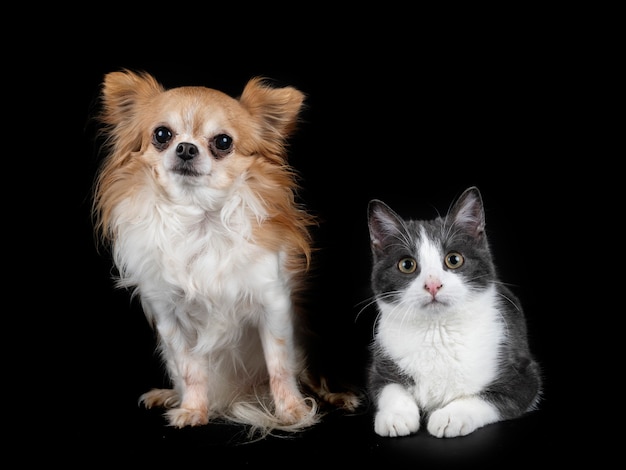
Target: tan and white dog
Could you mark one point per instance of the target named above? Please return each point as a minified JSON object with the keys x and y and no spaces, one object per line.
{"x":197,"y":203}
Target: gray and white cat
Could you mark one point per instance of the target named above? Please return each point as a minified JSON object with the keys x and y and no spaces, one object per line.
{"x":450,"y":344}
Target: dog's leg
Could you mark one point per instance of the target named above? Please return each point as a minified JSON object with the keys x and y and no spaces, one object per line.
{"x":189,"y":406}
{"x":192,"y":382}
{"x":188,"y":403}
{"x":277,"y":337}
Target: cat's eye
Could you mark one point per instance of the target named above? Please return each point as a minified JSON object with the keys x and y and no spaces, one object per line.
{"x":407,"y":265}
{"x":454,"y":260}
{"x":221,"y":145}
{"x":161,"y":137}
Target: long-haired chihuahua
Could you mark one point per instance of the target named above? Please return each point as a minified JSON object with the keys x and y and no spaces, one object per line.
{"x":197,"y":204}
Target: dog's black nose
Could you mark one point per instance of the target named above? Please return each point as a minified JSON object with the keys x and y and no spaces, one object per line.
{"x":186,"y":151}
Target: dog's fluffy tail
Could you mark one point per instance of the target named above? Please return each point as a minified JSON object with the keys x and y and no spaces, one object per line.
{"x":256,"y":413}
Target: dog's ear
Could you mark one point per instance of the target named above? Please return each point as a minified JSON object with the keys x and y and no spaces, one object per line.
{"x":276,"y":110}
{"x":123,"y":91}
{"x":122,"y":96}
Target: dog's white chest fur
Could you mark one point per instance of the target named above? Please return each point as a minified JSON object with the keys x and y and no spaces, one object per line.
{"x":188,"y":256}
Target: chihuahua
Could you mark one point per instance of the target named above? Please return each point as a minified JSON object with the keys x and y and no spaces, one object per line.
{"x":197,"y":204}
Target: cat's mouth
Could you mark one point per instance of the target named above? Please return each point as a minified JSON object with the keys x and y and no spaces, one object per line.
{"x":435,"y":303}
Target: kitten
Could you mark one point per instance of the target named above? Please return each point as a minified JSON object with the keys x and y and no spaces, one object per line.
{"x":451,"y":339}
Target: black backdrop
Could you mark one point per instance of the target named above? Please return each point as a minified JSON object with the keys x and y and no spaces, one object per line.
{"x":414,"y":133}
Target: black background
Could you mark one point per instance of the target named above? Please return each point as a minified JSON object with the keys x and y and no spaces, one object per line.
{"x":413,"y":128}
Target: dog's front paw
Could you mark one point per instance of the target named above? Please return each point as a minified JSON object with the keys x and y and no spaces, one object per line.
{"x":166,"y":398}
{"x":294,"y":411}
{"x":181,"y":417}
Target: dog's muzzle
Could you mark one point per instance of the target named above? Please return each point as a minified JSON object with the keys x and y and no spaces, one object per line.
{"x":186,"y":160}
{"x":186,"y":151}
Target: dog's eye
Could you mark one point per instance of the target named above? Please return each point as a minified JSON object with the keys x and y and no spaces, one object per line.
{"x":221,"y":145}
{"x":161,"y":137}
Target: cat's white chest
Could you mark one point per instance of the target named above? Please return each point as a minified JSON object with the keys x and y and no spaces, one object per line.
{"x":448,"y":356}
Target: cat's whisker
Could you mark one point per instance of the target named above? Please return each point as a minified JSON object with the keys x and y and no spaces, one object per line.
{"x":367,"y":303}
{"x":404,"y":306}
{"x":511,"y":301}
{"x":378,"y":314}
{"x":405,"y":234}
{"x":406,"y":312}
{"x":508,"y":284}
{"x":481,"y":276}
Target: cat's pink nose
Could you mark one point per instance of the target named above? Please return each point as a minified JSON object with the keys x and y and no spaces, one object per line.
{"x":432,"y":285}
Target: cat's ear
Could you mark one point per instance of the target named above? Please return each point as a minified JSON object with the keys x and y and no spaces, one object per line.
{"x":468,"y":212}
{"x":384,"y":224}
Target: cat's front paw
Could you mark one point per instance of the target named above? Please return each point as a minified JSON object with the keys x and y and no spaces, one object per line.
{"x":398,"y":414}
{"x":461,"y":417}
{"x":395,"y":424}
